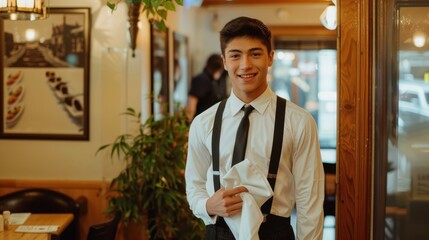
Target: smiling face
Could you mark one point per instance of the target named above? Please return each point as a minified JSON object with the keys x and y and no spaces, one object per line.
{"x":247,"y":60}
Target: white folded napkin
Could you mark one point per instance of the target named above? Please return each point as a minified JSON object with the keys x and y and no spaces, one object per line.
{"x":37,"y":228}
{"x":245,"y":226}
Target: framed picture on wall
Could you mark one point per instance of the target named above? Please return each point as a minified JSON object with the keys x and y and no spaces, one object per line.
{"x":160,"y":87}
{"x":181,"y":72}
{"x":44,"y":89}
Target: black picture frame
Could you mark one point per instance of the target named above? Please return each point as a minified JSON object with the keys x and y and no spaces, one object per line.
{"x":160,"y":86}
{"x":181,"y":72}
{"x":44,"y":90}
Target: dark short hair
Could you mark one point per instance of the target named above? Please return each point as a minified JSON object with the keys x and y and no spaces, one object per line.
{"x":245,"y":27}
{"x":214,"y":63}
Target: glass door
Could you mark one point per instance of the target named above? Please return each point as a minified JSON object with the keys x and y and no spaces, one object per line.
{"x":402,"y":132}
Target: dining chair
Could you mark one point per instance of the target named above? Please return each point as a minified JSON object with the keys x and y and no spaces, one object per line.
{"x":330,"y":189}
{"x":40,"y":200}
{"x":106,"y":230}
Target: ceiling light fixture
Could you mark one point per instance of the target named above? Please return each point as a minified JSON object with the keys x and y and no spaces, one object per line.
{"x":419,"y":39}
{"x":23,"y":9}
{"x":329,"y":17}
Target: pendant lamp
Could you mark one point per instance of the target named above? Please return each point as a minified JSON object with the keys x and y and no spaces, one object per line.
{"x":23,"y":9}
{"x":329,"y":16}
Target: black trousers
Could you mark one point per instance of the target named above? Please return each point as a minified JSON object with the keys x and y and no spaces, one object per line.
{"x":275,"y":228}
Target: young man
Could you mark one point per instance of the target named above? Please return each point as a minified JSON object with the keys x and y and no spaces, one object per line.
{"x":298,"y":175}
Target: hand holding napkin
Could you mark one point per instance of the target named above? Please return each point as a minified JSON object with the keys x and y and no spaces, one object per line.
{"x":246,"y":225}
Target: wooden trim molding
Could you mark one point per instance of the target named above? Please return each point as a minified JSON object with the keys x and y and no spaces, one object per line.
{"x":302,"y":32}
{"x":354,"y":161}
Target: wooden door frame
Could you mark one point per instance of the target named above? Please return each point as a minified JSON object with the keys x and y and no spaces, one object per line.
{"x":355,"y":126}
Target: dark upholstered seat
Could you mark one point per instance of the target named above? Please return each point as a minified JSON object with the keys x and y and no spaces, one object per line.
{"x":329,"y":203}
{"x":106,"y":230}
{"x":44,"y":201}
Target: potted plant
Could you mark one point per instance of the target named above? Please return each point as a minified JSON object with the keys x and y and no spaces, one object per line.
{"x":152,"y":184}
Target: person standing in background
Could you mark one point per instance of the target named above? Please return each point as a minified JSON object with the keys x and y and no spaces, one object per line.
{"x":208,"y":87}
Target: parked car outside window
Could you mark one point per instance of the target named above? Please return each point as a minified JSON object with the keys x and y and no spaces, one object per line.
{"x":413,"y":103}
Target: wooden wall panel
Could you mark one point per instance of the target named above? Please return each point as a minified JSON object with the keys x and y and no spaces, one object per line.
{"x":355,"y":120}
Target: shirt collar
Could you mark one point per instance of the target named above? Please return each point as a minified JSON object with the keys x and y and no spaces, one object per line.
{"x":260,"y":103}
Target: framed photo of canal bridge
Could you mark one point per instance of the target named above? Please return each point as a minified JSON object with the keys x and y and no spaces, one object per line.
{"x":44,"y":90}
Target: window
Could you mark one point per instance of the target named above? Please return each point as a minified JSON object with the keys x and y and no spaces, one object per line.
{"x":401,"y":146}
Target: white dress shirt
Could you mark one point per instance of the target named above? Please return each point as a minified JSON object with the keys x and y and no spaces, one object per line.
{"x":300,"y":178}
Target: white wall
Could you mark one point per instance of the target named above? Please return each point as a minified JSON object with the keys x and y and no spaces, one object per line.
{"x":118,"y":81}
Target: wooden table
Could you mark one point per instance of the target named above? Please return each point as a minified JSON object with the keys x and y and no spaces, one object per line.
{"x":61,"y":220}
{"x":398,"y":214}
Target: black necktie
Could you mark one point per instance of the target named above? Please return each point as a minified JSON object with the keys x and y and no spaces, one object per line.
{"x":241,"y":139}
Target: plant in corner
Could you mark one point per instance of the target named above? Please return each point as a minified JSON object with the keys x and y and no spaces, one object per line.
{"x":152,"y":183}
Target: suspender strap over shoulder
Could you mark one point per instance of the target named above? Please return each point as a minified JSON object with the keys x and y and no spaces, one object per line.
{"x":277,"y":139}
{"x":276,"y":150}
{"x":217,"y":126}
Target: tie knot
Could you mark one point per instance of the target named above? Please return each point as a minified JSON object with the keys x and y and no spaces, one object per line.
{"x":247,"y":110}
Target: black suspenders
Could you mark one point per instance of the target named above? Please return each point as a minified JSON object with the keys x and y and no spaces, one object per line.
{"x":275,"y":151}
{"x":217,"y":126}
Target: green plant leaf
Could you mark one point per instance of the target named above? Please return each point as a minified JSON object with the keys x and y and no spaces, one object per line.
{"x":158,"y":3}
{"x":130,"y":111}
{"x":101,"y":148}
{"x":162,"y":13}
{"x":161,"y":25}
{"x":169,"y":5}
{"x":112,"y":6}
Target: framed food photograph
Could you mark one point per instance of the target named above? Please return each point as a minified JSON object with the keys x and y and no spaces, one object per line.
{"x":45,"y":76}
{"x":181,"y":71}
{"x":160,"y":87}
